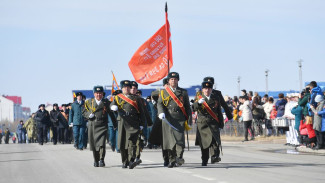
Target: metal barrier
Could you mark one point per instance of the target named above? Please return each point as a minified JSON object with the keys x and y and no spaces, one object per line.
{"x":264,"y":127}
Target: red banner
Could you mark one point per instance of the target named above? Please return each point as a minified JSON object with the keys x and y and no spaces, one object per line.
{"x":149,"y":62}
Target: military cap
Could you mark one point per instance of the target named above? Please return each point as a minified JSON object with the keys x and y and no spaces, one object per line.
{"x":78,"y":93}
{"x":173,"y":75}
{"x":148,"y":97}
{"x":133,"y":83}
{"x":139,"y":92}
{"x":209,"y":79}
{"x":63,"y":105}
{"x":244,"y":91}
{"x":84,"y":96}
{"x":98,"y":89}
{"x":165,"y":81}
{"x":125,"y":83}
{"x":55,"y":105}
{"x":41,"y":105}
{"x":207,"y":84}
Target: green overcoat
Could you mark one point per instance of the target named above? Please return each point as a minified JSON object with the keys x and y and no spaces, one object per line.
{"x":175,"y":117}
{"x":129,"y":120}
{"x":98,"y":125}
{"x":207,"y":126}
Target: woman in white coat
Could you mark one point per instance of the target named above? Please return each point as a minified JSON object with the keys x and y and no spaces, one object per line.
{"x":246,"y":109}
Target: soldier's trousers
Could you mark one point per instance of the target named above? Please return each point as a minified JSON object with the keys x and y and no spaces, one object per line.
{"x":55,"y":134}
{"x":214,"y":151}
{"x":177,"y":151}
{"x":99,"y":155}
{"x":129,"y":155}
{"x":42,"y":133}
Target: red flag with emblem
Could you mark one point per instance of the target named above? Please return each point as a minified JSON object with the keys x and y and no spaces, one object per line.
{"x":150,"y":62}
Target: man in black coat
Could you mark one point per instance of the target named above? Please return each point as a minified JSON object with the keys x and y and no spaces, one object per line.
{"x":42,"y":118}
{"x":56,"y":118}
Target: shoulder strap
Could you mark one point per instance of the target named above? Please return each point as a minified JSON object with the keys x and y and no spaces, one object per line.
{"x":128,"y":100}
{"x":178,"y":102}
{"x":207,"y":107}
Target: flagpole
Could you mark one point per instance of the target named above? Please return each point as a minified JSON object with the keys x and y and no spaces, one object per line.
{"x":167,"y":38}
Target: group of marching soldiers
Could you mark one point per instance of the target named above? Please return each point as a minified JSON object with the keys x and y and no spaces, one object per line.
{"x":128,"y":113}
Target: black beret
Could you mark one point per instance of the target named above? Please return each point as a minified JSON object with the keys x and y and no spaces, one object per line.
{"x":165,"y":81}
{"x":209,"y":79}
{"x":125,"y":83}
{"x":173,"y":75}
{"x":133,"y":83}
{"x":98,"y":89}
{"x":207,"y":84}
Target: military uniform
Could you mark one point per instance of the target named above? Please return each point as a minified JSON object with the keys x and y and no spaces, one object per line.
{"x":221,"y":99}
{"x":208,"y":134}
{"x":97,"y":115}
{"x":148,"y":122}
{"x":131,"y":120}
{"x":30,"y":126}
{"x":173,"y":133}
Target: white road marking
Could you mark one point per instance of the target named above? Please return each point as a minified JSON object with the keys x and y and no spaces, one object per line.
{"x":182,"y":170}
{"x":202,"y":177}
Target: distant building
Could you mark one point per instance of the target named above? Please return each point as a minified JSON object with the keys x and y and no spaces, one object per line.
{"x":6,"y":109}
{"x":11,"y":109}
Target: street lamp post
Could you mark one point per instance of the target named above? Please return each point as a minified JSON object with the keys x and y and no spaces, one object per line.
{"x":300,"y":74}
{"x":267,"y":81}
{"x":238,"y":80}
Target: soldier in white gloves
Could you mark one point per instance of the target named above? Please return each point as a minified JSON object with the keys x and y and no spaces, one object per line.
{"x":130,"y":122}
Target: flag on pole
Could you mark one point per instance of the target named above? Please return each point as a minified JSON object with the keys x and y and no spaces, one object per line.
{"x":114,"y":86}
{"x":150,"y":62}
{"x":74,"y":95}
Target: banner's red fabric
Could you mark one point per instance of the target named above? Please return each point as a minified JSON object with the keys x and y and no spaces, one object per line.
{"x":149,"y":62}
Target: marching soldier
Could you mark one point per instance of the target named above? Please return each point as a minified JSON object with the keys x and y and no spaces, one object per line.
{"x":55,"y":116}
{"x":222,"y":100}
{"x":96,"y":110}
{"x":42,"y":118}
{"x":131,"y":121}
{"x":209,"y":109}
{"x":30,"y":126}
{"x":78,"y":121}
{"x":174,"y":110}
{"x":134,"y":91}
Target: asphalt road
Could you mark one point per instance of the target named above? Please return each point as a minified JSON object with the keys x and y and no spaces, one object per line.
{"x":241,"y":162}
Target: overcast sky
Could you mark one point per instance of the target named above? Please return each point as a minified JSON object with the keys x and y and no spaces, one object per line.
{"x":49,"y":48}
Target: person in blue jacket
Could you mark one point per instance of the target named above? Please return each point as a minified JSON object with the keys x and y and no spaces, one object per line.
{"x":20,"y":132}
{"x":315,"y":90}
{"x":280,"y":105}
{"x":78,"y":121}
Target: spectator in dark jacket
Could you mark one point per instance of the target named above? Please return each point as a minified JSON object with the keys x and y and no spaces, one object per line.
{"x":303,"y":100}
{"x":280,"y":105}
